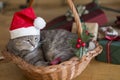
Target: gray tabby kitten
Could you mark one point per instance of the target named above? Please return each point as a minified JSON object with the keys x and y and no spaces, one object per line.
{"x":54,"y":44}
{"x":28,"y":48}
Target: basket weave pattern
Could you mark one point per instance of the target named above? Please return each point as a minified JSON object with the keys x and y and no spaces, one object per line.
{"x":63,"y":71}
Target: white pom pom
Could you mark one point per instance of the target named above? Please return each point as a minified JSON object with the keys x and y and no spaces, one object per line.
{"x":39,"y":23}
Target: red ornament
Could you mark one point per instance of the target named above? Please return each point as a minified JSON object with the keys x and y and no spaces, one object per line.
{"x":79,"y":40}
{"x":83,"y":44}
{"x":78,"y":46}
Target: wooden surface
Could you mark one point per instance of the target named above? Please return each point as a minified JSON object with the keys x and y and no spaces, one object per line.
{"x":95,"y":70}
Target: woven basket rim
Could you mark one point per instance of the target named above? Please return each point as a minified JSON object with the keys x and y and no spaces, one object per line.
{"x":49,"y":69}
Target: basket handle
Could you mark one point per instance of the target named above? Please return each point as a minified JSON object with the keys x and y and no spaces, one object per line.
{"x":30,"y":3}
{"x":76,"y":17}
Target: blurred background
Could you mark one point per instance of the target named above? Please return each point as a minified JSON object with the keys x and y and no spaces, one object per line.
{"x":50,"y":9}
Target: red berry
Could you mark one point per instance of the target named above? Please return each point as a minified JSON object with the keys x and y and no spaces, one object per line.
{"x":87,"y":32}
{"x":83,"y":44}
{"x":79,"y":40}
{"x":78,"y":46}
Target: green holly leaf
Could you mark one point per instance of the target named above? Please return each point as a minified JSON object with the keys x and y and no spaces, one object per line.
{"x":73,"y":42}
{"x":84,"y":27}
{"x":84,"y":36}
{"x":85,"y":50}
{"x":79,"y":53}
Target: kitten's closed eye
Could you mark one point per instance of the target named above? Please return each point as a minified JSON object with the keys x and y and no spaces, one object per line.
{"x":36,"y":39}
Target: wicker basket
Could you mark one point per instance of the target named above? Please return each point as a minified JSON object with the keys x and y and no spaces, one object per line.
{"x":64,"y":71}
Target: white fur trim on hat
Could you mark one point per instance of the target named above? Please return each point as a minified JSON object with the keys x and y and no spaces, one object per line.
{"x":39,"y":23}
{"x":24,"y":32}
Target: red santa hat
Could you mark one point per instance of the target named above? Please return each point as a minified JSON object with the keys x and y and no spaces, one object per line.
{"x":26,"y":23}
